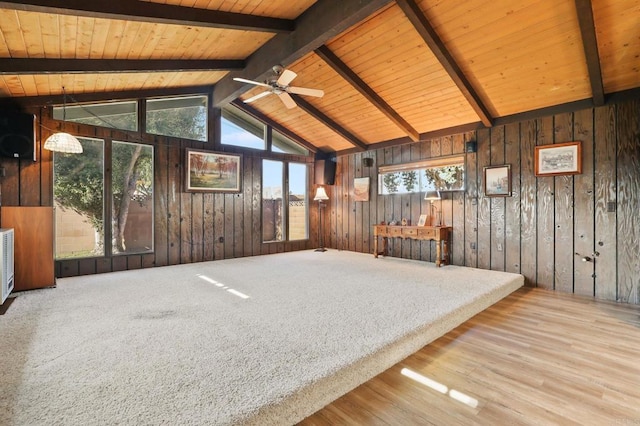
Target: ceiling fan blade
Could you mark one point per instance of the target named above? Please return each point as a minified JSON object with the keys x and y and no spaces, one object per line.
{"x":287,"y":100}
{"x":244,"y":80}
{"x":256,"y":97}
{"x":286,"y":77}
{"x":305,"y":91}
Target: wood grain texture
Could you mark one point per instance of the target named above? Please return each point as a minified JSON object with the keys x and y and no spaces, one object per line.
{"x":513,"y":204}
{"x":628,"y":130}
{"x":525,"y":360}
{"x":497,"y":204}
{"x":484,"y":202}
{"x":545,"y":209}
{"x":471,"y":211}
{"x":584,"y":201}
{"x":528,"y":203}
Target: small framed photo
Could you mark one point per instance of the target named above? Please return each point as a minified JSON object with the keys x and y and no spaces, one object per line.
{"x":423,"y":220}
{"x":361,"y":189}
{"x":497,"y":181}
{"x":558,"y":159}
{"x":208,"y":171}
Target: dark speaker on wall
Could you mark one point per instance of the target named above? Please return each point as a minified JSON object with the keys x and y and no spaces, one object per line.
{"x":17,"y":135}
{"x":326,"y":171}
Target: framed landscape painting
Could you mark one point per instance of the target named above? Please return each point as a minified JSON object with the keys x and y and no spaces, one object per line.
{"x":558,"y":159}
{"x":212,"y":171}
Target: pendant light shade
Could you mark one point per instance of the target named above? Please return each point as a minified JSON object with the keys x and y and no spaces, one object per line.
{"x":63,"y":142}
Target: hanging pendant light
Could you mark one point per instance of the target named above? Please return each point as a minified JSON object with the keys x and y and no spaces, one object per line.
{"x":61,"y":141}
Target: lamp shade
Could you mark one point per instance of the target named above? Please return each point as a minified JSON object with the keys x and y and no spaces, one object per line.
{"x":432,"y":195}
{"x":63,"y":142}
{"x":321,"y":194}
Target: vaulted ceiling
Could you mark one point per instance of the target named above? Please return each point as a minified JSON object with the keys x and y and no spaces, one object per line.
{"x":392,"y":71}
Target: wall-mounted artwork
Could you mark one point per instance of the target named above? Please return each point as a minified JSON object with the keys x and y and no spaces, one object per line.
{"x":361,"y":189}
{"x":558,"y":159}
{"x":497,"y":181}
{"x":212,"y":171}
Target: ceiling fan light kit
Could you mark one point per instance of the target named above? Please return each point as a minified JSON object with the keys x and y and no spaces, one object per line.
{"x":280,"y":86}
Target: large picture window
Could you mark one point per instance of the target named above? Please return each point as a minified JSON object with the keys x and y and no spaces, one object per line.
{"x":82,"y":209}
{"x":442,"y":174}
{"x":183,"y":117}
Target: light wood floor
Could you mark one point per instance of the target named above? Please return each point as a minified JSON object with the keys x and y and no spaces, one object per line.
{"x":537,"y":357}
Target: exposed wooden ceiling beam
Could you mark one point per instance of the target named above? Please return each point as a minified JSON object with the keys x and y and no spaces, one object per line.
{"x":590,"y":44}
{"x":288,"y":133}
{"x":153,"y":12}
{"x":109,"y":66}
{"x":29,"y":101}
{"x":426,"y":31}
{"x":324,"y":119}
{"x":321,"y":22}
{"x":341,"y":68}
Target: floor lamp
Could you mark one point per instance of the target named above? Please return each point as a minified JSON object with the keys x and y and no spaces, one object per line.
{"x":321,"y":197}
{"x":433,"y":196}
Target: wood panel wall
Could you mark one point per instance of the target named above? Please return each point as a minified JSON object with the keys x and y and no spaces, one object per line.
{"x":549,"y":223}
{"x":189,"y":227}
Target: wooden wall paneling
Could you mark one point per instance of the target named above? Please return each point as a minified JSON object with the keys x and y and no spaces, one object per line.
{"x":484,"y":203}
{"x":381,"y":201}
{"x":10,"y":185}
{"x":425,"y":246}
{"x":367,"y":219}
{"x":187,"y":241}
{"x":605,"y":192}
{"x":45,"y":158}
{"x":197,"y":227}
{"x":497,"y":214}
{"x":545,"y":213}
{"x":373,"y":197}
{"x":256,"y":207}
{"x":435,"y":150}
{"x":208,"y":233}
{"x":583,"y":273}
{"x":70,"y":268}
{"x":161,"y":204}
{"x":87,"y":266}
{"x":252,"y":208}
{"x":240,"y":220}
{"x":331,"y":215}
{"x":512,"y":244}
{"x":396,"y":200}
{"x":229,"y":223}
{"x":29,"y":183}
{"x":472,"y":197}
{"x":340,"y":203}
{"x":218,"y":226}
{"x":458,"y":204}
{"x":148,"y":260}
{"x":417,"y":202}
{"x":104,"y":265}
{"x":134,"y":262}
{"x":174,"y":189}
{"x":405,"y":204}
{"x":359,"y":208}
{"x":119,"y":263}
{"x":528,"y":203}
{"x":342,"y":187}
{"x":564,"y":214}
{"x":352,"y":228}
{"x":628,"y":130}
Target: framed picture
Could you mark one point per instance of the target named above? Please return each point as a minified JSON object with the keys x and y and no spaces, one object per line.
{"x":497,"y":181}
{"x":558,"y":159}
{"x":212,"y":171}
{"x":361,"y":189}
{"x":423,"y":220}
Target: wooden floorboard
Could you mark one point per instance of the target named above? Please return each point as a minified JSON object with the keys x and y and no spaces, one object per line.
{"x":536,"y":357}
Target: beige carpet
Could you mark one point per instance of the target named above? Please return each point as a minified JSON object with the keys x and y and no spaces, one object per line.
{"x":259,"y":340}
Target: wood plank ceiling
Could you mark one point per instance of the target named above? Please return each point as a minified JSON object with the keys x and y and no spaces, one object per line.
{"x":396,"y":71}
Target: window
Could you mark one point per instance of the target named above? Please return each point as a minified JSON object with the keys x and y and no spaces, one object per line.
{"x":442,"y":174}
{"x":280,"y":190}
{"x":281,"y":143}
{"x":184,"y":117}
{"x":115,"y":115}
{"x":80,"y":185}
{"x":241,"y":129}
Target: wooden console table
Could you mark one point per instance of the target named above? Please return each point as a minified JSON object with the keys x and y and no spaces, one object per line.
{"x":440,"y":234}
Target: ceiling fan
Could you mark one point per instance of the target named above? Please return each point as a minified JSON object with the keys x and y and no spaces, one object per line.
{"x":279,"y":85}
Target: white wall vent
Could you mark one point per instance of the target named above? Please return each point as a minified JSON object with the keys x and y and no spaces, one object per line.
{"x":6,"y":261}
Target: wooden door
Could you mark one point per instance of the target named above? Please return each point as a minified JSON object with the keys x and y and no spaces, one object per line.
{"x":33,"y":245}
